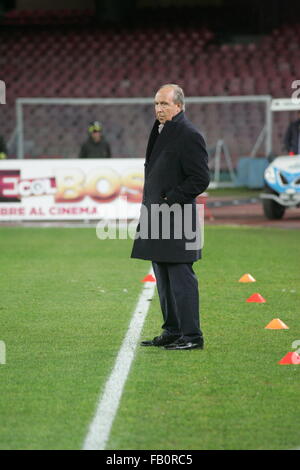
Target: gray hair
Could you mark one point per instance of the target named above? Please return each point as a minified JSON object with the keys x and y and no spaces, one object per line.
{"x":178,"y":94}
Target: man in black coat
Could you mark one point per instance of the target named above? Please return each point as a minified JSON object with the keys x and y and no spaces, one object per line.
{"x":176,"y":172}
{"x":292,"y":137}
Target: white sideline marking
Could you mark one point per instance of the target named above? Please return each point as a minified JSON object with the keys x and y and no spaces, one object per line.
{"x":107,"y":408}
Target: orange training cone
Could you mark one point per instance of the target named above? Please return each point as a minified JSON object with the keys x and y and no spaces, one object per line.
{"x":256,"y":298}
{"x":247,"y":278}
{"x":149,"y":278}
{"x":290,"y":358}
{"x":276,"y":324}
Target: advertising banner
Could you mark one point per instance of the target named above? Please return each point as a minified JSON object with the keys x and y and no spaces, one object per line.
{"x":76,"y":189}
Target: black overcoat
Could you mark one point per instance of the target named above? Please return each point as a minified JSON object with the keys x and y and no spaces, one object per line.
{"x":176,"y":168}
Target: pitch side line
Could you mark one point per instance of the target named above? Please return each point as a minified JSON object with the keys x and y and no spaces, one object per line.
{"x":109,"y":401}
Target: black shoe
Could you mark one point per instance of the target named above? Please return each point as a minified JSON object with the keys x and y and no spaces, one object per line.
{"x":161,"y":340}
{"x":185,"y":345}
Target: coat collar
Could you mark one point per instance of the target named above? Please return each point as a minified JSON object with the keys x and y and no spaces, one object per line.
{"x":158,"y":141}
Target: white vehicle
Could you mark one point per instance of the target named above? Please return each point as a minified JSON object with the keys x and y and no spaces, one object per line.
{"x":282,"y":178}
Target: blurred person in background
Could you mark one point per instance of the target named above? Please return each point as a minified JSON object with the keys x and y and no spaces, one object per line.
{"x":96,"y":146}
{"x":3,"y":149}
{"x":292,"y":137}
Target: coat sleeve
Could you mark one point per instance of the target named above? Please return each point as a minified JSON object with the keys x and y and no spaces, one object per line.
{"x":194,"y":162}
{"x":108,"y":151}
{"x":82,"y":152}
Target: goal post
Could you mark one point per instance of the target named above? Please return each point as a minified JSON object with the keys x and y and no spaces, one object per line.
{"x":57,"y":126}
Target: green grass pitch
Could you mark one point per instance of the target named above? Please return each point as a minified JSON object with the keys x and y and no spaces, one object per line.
{"x":65,"y":305}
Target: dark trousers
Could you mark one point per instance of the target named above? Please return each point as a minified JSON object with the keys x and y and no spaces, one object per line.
{"x":177,"y":287}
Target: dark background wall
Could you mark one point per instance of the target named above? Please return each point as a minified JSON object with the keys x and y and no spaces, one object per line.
{"x":238,"y":16}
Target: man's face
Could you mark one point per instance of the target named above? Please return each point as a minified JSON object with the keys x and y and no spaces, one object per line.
{"x":96,"y":136}
{"x":165,"y":108}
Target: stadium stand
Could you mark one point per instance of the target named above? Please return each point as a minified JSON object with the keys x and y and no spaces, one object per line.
{"x":60,"y":54}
